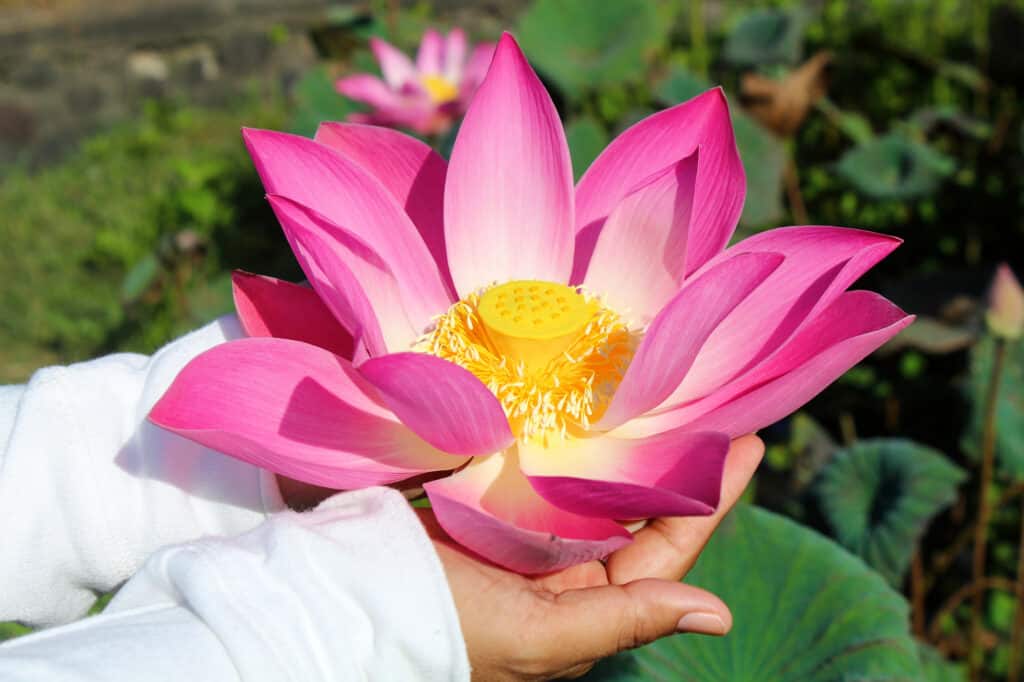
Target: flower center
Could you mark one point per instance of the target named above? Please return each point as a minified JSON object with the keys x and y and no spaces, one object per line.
{"x":552,"y":355}
{"x":534,"y":322}
{"x":440,"y":89}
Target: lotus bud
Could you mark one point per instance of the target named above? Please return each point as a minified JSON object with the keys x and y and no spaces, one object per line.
{"x":1005,"y":314}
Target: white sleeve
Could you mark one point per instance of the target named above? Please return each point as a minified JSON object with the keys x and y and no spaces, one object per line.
{"x":351,"y":591}
{"x":89,"y":488}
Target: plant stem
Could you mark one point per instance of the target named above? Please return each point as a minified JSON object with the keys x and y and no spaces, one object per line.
{"x":796,"y":199}
{"x":917,"y":592}
{"x":988,"y":443}
{"x":980,"y":38}
{"x":967,"y":591}
{"x":944,"y":559}
{"x":1016,"y":642}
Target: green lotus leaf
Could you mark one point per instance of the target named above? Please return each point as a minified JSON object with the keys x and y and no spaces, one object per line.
{"x":583,"y":45}
{"x":804,"y":609}
{"x":764,"y":37}
{"x":895,"y":167}
{"x":879,"y":495}
{"x":764,"y":161}
{"x":586,"y":140}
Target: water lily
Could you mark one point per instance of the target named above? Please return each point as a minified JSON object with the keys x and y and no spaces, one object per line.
{"x":558,"y":360}
{"x":427,"y":96}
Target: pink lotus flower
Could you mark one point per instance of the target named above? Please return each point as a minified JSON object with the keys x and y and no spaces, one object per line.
{"x":426,"y":96}
{"x":577,"y":357}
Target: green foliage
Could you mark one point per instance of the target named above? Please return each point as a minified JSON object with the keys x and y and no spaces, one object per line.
{"x":82,"y":262}
{"x":316,"y":100}
{"x":895,"y":167}
{"x":879,"y":495}
{"x":764,"y":161}
{"x":679,"y":85}
{"x":12,"y":630}
{"x":582,"y":45}
{"x":935,"y":668}
{"x":803,"y":609}
{"x":1009,"y":405}
{"x":766,"y":37}
{"x":586,"y":140}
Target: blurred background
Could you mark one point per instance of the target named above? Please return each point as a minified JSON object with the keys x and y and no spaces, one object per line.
{"x":126,"y":199}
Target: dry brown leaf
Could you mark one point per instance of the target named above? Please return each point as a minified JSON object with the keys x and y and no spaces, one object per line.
{"x":782,"y":105}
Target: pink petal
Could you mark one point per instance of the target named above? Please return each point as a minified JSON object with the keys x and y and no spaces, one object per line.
{"x":430,"y":58}
{"x":272,"y":307}
{"x":443,"y":403}
{"x":640,"y":258}
{"x":477,"y":66}
{"x":396,"y":67}
{"x":677,"y":473}
{"x":351,"y":278}
{"x":857,"y":323}
{"x":673,"y":340}
{"x":455,"y":55}
{"x":297,"y":410}
{"x":340,"y":190}
{"x":491,"y":509}
{"x":508,"y":199}
{"x":416,"y":112}
{"x":363,"y":87}
{"x":410,"y":170}
{"x":821,"y":262}
{"x":649,"y":146}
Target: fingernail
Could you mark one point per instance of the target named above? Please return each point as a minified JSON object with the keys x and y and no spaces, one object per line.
{"x":702,"y":623}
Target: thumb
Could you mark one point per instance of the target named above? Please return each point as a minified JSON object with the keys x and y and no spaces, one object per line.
{"x":595,"y":622}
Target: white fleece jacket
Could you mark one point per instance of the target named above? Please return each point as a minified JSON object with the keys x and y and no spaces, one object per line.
{"x":89,"y":489}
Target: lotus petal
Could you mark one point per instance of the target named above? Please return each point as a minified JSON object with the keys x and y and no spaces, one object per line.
{"x":410,"y":170}
{"x":508,"y":197}
{"x":272,"y":307}
{"x":445,"y":404}
{"x":676,"y":473}
{"x":821,"y":262}
{"x":295,"y":409}
{"x":639,"y":261}
{"x":490,"y":508}
{"x":651,"y":145}
{"x":674,"y":339}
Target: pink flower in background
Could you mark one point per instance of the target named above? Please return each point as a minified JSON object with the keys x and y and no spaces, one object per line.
{"x":427,"y":96}
{"x":575,"y":358}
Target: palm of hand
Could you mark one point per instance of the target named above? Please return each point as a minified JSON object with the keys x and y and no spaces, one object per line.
{"x":557,"y":625}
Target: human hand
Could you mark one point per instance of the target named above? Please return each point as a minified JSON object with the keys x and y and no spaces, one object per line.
{"x":558,"y":625}
{"x":537,"y":628}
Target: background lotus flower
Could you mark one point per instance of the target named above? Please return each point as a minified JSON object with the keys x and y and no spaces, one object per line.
{"x":577,"y":357}
{"x":426,"y":96}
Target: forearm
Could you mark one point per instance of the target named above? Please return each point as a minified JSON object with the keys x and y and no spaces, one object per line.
{"x":352,"y":590}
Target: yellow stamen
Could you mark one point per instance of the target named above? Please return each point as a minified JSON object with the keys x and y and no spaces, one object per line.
{"x":551,"y":355}
{"x":440,"y":89}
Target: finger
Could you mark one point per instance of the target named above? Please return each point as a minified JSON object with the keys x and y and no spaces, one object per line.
{"x":589,"y":624}
{"x":590,"y":574}
{"x":668,"y":547}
